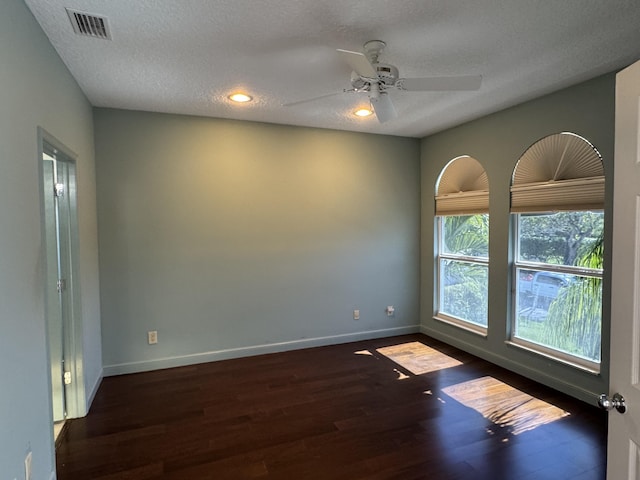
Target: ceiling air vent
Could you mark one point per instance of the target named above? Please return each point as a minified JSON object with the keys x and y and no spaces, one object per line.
{"x":89,"y":25}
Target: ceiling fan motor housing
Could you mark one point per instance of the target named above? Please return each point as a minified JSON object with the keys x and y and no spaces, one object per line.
{"x":387,"y":77}
{"x":388,"y":74}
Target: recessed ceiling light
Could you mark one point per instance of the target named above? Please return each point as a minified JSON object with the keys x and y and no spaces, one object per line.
{"x":240,"y":97}
{"x":363,"y":112}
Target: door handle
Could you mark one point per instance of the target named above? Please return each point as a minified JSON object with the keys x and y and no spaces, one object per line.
{"x":617,"y":402}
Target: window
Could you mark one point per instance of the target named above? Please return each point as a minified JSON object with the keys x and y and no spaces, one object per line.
{"x":463,"y":268}
{"x":559,"y":282}
{"x":558,"y":258}
{"x":462,"y":204}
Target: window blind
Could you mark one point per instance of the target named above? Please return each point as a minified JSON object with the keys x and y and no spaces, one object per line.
{"x":559,"y":172}
{"x":462,"y":188}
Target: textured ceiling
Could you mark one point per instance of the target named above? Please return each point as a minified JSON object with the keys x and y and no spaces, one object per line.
{"x":186,"y":56}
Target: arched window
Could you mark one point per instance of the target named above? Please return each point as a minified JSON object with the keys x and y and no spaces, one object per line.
{"x":462,"y":216}
{"x":557,"y":201}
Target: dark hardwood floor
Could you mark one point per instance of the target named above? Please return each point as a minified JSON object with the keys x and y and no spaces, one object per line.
{"x":396,"y":408}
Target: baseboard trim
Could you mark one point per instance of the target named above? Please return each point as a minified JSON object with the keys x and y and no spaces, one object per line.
{"x":94,"y":389}
{"x":204,"y":357}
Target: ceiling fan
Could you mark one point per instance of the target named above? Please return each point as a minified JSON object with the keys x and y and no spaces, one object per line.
{"x":376,"y":79}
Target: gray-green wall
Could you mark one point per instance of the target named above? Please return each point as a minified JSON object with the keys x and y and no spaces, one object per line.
{"x":235,"y":238}
{"x":497,"y":141}
{"x":36,"y":90}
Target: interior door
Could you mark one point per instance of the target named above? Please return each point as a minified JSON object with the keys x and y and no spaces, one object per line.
{"x":623,"y":450}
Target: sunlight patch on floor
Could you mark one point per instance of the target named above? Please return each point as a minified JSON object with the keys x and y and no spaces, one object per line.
{"x":363,"y":352}
{"x":504,"y":405}
{"x":418,"y":358}
{"x":57,"y":429}
{"x":401,"y":375}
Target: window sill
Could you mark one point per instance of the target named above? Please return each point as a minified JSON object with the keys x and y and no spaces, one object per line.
{"x":456,"y":322}
{"x":583,"y":365}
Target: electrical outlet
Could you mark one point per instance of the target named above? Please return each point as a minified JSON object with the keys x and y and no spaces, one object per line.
{"x":27,"y":466}
{"x":390,"y":311}
{"x":152,"y":337}
{"x":356,"y":314}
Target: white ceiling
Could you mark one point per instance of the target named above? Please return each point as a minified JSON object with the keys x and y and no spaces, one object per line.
{"x":186,"y":56}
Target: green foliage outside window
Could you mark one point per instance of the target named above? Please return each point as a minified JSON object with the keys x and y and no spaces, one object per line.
{"x":465,"y":291}
{"x":560,"y":238}
{"x":466,"y":235}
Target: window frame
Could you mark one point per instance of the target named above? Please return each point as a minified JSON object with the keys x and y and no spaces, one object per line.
{"x":438,"y":297}
{"x":517,"y":265}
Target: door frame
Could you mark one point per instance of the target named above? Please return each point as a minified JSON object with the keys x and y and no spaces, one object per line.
{"x":74,"y":392}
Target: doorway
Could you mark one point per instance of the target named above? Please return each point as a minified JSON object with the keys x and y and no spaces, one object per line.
{"x":60,"y":235}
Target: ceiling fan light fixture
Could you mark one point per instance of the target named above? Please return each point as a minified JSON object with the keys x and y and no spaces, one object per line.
{"x":240,"y":97}
{"x":363,"y":112}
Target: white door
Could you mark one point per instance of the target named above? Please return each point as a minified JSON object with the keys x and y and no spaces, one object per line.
{"x":55,"y":296}
{"x":623,"y":450}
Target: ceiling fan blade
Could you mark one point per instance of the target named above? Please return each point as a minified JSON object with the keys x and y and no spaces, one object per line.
{"x":434,"y":84}
{"x":359,"y":63}
{"x":300,"y":102}
{"x":383,"y":106}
